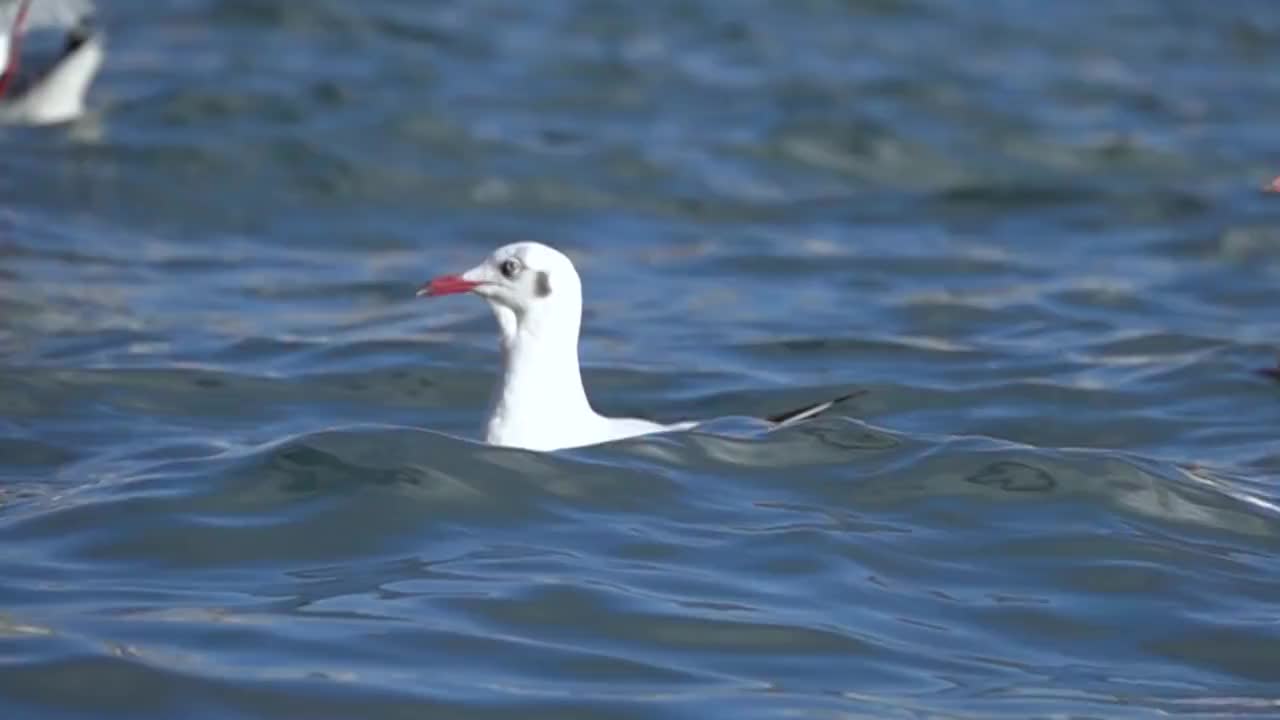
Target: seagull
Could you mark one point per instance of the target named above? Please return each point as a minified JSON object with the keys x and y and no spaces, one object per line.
{"x":44,"y":88}
{"x":539,"y":402}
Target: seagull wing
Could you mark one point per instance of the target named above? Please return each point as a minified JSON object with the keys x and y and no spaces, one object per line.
{"x":18,"y":19}
{"x":804,"y":413}
{"x":43,"y":14}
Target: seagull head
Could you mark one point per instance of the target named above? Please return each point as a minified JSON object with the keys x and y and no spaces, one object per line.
{"x":525,"y":283}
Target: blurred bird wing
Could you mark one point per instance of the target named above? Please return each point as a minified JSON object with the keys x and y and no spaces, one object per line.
{"x":42,"y":14}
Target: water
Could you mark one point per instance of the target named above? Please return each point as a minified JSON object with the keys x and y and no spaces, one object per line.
{"x":238,"y":474}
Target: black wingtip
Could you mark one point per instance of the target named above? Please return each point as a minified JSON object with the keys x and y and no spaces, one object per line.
{"x":808,"y":411}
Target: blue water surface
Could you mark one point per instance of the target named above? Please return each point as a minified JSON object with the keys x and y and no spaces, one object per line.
{"x":239,"y":468}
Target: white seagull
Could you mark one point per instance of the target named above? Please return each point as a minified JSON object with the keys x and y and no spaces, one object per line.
{"x":539,"y":402}
{"x":40,"y":88}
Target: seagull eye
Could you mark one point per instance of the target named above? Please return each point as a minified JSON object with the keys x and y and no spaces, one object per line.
{"x":509,"y":268}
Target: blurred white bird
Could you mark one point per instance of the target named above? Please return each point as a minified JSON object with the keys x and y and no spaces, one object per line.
{"x":49,"y":55}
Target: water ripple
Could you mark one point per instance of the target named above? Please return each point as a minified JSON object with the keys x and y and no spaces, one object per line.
{"x":238,"y":467}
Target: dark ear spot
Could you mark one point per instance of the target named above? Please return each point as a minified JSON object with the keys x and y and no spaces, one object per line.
{"x":542,"y":285}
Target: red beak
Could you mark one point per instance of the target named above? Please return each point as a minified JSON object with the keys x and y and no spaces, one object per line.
{"x":447,"y":285}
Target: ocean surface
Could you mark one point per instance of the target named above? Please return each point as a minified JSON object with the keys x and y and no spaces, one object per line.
{"x":239,"y":467}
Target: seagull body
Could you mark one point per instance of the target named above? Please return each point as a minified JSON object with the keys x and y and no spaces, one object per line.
{"x":37,"y":90}
{"x":539,"y":403}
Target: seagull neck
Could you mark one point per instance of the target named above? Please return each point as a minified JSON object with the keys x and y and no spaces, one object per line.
{"x":541,"y":381}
